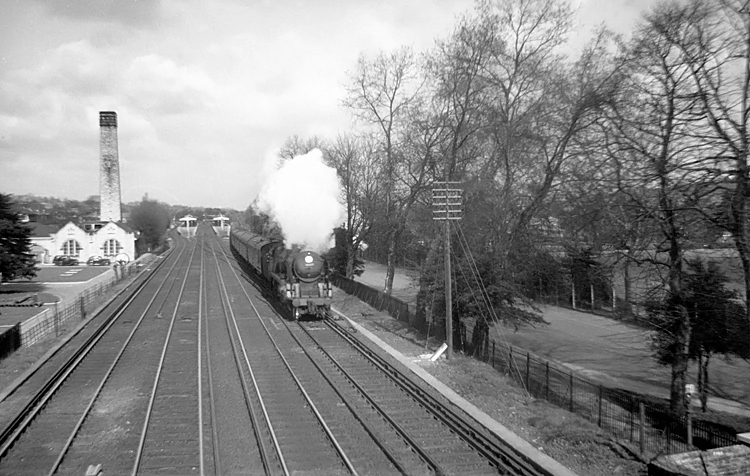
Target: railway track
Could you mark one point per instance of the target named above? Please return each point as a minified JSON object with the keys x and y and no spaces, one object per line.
{"x":460,"y":444}
{"x":385,"y":420}
{"x":55,"y":424}
{"x":195,"y":372}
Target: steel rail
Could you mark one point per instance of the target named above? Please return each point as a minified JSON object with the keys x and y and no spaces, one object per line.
{"x":426,"y":457}
{"x":150,"y":407}
{"x":256,"y":428}
{"x":313,"y":408}
{"x":111,"y":368}
{"x":497,"y":453}
{"x":500,"y":457}
{"x":200,"y":362}
{"x":11,"y":433}
{"x":215,"y":443}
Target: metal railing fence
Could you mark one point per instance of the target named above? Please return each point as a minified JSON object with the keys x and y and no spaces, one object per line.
{"x":652,"y":429}
{"x":378,"y":299}
{"x":53,"y":318}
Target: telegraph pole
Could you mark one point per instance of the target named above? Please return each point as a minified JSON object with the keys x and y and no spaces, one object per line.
{"x":447,"y":202}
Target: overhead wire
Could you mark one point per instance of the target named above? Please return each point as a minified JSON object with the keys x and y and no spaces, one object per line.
{"x":471,"y":289}
{"x":477,"y":277}
{"x":485,"y":298}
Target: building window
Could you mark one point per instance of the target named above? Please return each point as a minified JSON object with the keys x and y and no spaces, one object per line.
{"x":111,"y":247}
{"x":71,"y":248}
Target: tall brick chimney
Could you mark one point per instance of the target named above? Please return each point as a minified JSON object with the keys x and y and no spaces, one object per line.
{"x":109,"y":168}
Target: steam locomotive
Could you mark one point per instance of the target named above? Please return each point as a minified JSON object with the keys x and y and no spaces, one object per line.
{"x":298,"y":278}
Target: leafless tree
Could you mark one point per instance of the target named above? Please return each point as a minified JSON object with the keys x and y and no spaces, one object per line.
{"x":382,"y":92}
{"x":656,"y":143}
{"x":295,"y":145}
{"x":536,"y":110}
{"x":714,"y":40}
{"x":355,"y":159}
{"x":459,"y":93}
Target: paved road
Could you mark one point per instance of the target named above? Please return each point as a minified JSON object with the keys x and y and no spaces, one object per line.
{"x":405,"y":282}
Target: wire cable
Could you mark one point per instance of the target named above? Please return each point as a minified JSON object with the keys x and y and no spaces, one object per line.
{"x":485,"y":298}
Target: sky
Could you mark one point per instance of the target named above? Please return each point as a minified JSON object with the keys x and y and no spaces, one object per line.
{"x":205,"y":92}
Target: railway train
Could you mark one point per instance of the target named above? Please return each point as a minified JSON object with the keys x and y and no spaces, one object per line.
{"x":298,"y":278}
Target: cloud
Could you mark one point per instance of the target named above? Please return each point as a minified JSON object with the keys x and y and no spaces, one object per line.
{"x":202,"y":89}
{"x":127,"y":12}
{"x":48,"y":102}
{"x":159,"y":85}
{"x":77,"y":69}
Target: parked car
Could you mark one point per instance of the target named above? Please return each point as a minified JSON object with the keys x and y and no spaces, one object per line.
{"x":98,"y":261}
{"x":62,"y":260}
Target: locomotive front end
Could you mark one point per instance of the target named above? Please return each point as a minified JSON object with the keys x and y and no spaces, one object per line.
{"x":308,"y":266}
{"x":311,"y":292}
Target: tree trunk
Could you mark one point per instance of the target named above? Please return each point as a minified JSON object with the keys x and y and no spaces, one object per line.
{"x":701,"y":385}
{"x":704,"y":391}
{"x":479,"y":338}
{"x":677,"y":401}
{"x":350,"y":257}
{"x":627,"y":285}
{"x":352,"y":249}
{"x":573,"y":292}
{"x":391,"y":261}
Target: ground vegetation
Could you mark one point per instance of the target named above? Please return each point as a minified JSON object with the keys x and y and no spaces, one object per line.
{"x":152,"y":220}
{"x":716,"y":320}
{"x":16,"y":259}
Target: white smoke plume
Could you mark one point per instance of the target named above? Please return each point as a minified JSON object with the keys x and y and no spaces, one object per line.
{"x":303,"y":198}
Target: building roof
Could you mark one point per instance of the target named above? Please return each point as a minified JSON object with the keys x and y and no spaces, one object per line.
{"x":124,"y":226}
{"x":102,"y":224}
{"x":42,"y":229}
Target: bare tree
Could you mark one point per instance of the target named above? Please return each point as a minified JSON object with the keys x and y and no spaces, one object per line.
{"x":459,"y":93}
{"x":655,"y":141}
{"x":714,"y":40}
{"x":295,"y":145}
{"x":381,"y":93}
{"x":355,"y":160}
{"x":537,"y":108}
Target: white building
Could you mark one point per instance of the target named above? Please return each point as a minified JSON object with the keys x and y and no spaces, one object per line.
{"x":115,"y":241}
{"x":188,"y":226}
{"x":221,"y":225}
{"x":109,"y":237}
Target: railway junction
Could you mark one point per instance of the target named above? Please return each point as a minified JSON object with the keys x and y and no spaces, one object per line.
{"x":192,"y":370}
